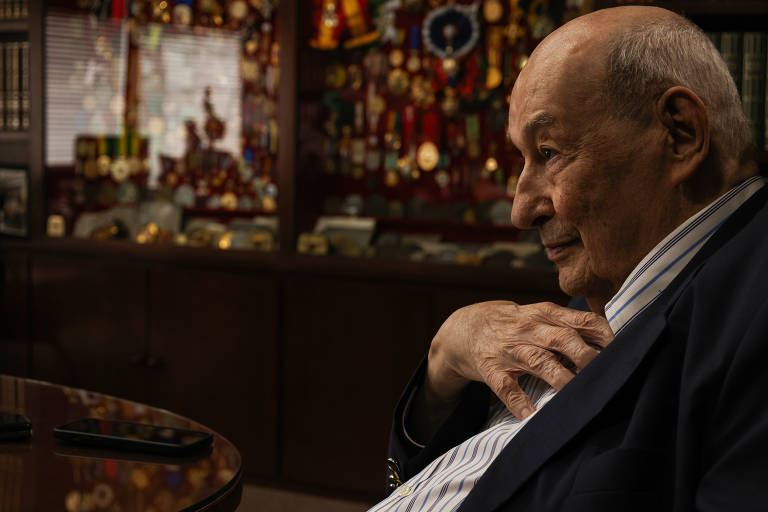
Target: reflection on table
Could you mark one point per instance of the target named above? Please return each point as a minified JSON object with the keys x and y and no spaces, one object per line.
{"x":45,"y":474}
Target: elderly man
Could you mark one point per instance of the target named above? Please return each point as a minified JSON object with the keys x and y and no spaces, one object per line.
{"x":639,"y":179}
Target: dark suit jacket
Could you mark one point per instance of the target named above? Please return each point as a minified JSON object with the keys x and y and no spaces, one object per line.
{"x":673,"y":415}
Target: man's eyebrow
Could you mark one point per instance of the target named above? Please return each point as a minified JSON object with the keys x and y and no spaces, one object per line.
{"x":542,"y":119}
{"x":539,"y":121}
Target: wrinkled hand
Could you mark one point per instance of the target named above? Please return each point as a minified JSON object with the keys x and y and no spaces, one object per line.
{"x":497,"y":342}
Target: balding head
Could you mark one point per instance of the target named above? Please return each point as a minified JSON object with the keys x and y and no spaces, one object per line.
{"x":629,"y":124}
{"x":635,"y":53}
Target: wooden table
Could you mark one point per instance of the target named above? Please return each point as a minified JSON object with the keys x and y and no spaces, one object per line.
{"x":44,"y":474}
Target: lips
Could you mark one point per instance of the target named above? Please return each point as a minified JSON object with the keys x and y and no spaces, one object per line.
{"x":560,"y":248}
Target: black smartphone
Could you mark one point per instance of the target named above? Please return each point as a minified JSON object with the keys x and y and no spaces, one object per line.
{"x":14,"y":426}
{"x":138,"y":437}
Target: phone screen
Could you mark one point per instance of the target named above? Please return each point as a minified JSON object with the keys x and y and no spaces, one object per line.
{"x":136,"y":432}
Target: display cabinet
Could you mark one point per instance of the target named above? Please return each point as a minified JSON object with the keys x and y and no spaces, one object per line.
{"x":290,"y":318}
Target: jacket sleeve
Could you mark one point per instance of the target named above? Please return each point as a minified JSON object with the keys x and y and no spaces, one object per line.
{"x":465,"y":421}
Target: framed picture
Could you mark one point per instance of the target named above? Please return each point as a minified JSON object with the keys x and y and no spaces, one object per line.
{"x":14,"y":193}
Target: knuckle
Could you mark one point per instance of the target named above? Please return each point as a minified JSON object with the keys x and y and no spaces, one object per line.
{"x":561,"y":337}
{"x":515,"y":400}
{"x":540,"y":360}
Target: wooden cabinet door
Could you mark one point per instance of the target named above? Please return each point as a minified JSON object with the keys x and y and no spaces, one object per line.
{"x":89,"y":324}
{"x":14,"y":313}
{"x":350,"y":347}
{"x":214,"y":356}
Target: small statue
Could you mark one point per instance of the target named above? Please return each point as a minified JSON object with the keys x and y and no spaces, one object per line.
{"x":214,"y":127}
{"x":193,"y":139}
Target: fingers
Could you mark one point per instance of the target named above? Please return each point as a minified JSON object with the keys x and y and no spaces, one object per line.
{"x":509,"y":392}
{"x":566,"y":341}
{"x":543,"y":364}
{"x":590,"y":326}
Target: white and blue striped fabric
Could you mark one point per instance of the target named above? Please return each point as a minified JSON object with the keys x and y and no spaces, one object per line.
{"x":444,"y":484}
{"x":671,"y":255}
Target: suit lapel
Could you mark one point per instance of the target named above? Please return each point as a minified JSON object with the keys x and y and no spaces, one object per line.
{"x":591,"y":390}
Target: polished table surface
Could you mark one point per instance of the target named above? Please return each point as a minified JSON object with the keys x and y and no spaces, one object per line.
{"x":44,"y":474}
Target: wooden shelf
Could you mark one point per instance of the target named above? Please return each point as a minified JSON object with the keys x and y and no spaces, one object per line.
{"x":525,"y":279}
{"x":14,"y":136}
{"x":14,"y":25}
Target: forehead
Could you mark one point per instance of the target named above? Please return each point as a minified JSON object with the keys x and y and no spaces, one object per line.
{"x":555,"y":89}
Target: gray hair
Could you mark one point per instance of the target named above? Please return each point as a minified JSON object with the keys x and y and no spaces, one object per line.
{"x":649,"y":57}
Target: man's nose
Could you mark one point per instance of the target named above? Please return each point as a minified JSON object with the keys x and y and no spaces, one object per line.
{"x":532,"y":205}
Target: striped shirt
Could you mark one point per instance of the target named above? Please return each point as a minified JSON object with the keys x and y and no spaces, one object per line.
{"x":444,"y":484}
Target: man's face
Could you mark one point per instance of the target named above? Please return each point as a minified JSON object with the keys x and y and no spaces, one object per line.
{"x":589,"y":181}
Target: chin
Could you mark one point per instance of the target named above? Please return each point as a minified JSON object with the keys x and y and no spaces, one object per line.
{"x":580,"y":282}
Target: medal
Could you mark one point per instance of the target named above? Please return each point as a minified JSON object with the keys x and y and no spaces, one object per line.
{"x":396,"y":58}
{"x":120,"y":170}
{"x":413,"y":64}
{"x":229,"y":201}
{"x":398,"y":82}
{"x":450,"y":32}
{"x":493,"y":10}
{"x":428,"y":155}
{"x":103,"y":165}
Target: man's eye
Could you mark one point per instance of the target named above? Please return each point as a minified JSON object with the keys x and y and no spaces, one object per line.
{"x":547,"y":153}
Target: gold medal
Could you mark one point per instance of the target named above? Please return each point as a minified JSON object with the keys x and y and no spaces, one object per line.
{"x":103,"y":164}
{"x":398,"y":82}
{"x":119,"y":169}
{"x":238,"y":10}
{"x":450,"y":66}
{"x":413,"y":64}
{"x":377,"y":105}
{"x":391,"y":179}
{"x":229,"y":201}
{"x":396,"y":58}
{"x":493,"y":10}
{"x":427,"y":156}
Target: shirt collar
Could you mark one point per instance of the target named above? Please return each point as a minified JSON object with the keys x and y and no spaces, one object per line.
{"x":665,"y":261}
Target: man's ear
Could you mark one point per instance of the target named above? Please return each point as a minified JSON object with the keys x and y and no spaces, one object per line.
{"x":685,"y":118}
